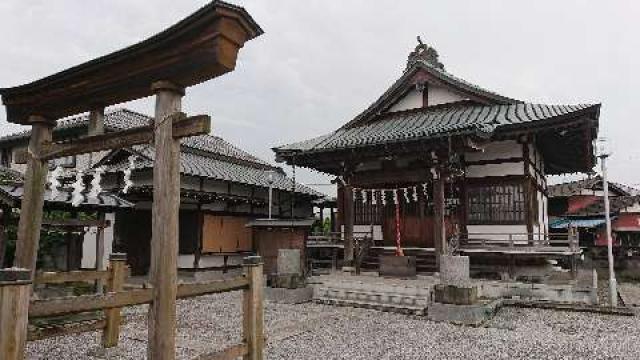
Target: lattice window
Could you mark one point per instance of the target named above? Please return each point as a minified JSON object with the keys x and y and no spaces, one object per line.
{"x":496,"y":204}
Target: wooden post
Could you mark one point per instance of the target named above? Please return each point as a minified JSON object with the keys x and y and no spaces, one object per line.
{"x":347,"y":196}
{"x":15,"y":290}
{"x":164,"y":239}
{"x":439,"y":235}
{"x":332,"y":216}
{"x":118,"y":269}
{"x":4,"y":225}
{"x":100,"y":251}
{"x":33,"y":197}
{"x":253,"y":314}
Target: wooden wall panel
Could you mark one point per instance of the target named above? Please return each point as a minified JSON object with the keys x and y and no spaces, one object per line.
{"x":268,"y":242}
{"x":225,"y":234}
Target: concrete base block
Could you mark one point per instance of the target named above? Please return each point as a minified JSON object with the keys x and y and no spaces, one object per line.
{"x":458,"y":295}
{"x":470,"y":315}
{"x":286,"y":281}
{"x":398,"y":266}
{"x":289,"y":296}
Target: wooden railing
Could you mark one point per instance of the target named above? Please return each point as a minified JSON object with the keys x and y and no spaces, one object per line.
{"x":568,"y":240}
{"x":15,"y":282}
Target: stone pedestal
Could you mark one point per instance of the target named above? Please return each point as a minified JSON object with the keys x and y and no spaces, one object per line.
{"x":456,"y":295}
{"x":454,"y":270}
{"x":289,"y":261}
{"x":289,"y":267}
{"x":398,"y":266}
{"x":455,"y":299}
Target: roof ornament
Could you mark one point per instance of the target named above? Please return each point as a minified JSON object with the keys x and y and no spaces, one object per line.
{"x":425,"y":53}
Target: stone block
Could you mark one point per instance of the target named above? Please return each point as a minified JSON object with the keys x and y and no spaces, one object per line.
{"x":458,"y":295}
{"x":289,"y":261}
{"x":471,"y":315}
{"x":286,"y":281}
{"x":398,"y":266}
{"x":289,"y":296}
{"x":454,"y":270}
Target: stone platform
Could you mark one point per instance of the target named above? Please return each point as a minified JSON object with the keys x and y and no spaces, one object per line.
{"x":414,"y":296}
{"x":470,"y":315}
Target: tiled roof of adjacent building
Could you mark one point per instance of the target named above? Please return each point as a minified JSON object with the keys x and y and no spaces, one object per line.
{"x":120,"y":119}
{"x":616,"y":205}
{"x":438,"y":121}
{"x":204,"y":155}
{"x":594,"y":184}
{"x":205,"y":165}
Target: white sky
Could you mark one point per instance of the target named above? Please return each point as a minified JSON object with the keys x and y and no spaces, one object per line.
{"x":322,"y":62}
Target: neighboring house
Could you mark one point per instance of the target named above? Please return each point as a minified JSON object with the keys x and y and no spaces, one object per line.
{"x":581,"y":204}
{"x":494,"y":153}
{"x":222,"y":189}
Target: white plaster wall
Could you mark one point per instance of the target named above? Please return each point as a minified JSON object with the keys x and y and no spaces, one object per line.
{"x":496,"y":150}
{"x":495,"y":232}
{"x":441,"y":95}
{"x":412,"y":100}
{"x":478,"y":171}
{"x":89,"y":245}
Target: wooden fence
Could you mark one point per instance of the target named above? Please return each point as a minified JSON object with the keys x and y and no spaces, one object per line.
{"x":15,"y":289}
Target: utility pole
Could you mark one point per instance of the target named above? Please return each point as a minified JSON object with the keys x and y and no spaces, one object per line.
{"x":603,"y":154}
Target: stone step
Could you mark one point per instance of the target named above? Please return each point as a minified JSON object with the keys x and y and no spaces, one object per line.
{"x":405,"y":299}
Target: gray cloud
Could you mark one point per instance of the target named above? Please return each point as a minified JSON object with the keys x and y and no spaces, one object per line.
{"x":321,"y":62}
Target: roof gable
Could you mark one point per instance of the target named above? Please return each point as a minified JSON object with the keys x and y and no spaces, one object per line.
{"x":417,"y":75}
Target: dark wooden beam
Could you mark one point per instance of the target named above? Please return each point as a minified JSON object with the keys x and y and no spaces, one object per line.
{"x":198,"y":48}
{"x":76,"y":223}
{"x":183,"y":126}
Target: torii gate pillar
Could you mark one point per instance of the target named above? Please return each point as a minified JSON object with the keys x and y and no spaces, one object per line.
{"x":164,"y":239}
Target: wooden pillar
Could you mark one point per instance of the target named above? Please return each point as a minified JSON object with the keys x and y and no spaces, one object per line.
{"x":4,"y":225}
{"x":347,"y":196}
{"x":332,"y":217}
{"x":164,"y":239}
{"x":200,"y":234}
{"x":72,"y":246}
{"x":118,"y":269}
{"x":100,"y":251}
{"x":439,"y":234}
{"x":253,"y":311}
{"x":15,"y":290}
{"x":33,"y":197}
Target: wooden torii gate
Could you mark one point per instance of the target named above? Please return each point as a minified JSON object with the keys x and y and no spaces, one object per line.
{"x":200,"y":47}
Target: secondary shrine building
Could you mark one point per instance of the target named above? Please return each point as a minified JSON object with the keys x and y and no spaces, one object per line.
{"x":461,"y":161}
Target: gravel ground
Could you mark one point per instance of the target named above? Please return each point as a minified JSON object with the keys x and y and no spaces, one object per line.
{"x":313,"y":331}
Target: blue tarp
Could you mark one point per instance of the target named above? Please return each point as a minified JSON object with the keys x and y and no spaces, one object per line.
{"x":564,"y":223}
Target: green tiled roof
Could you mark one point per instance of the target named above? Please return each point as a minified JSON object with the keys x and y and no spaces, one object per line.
{"x":437,"y":121}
